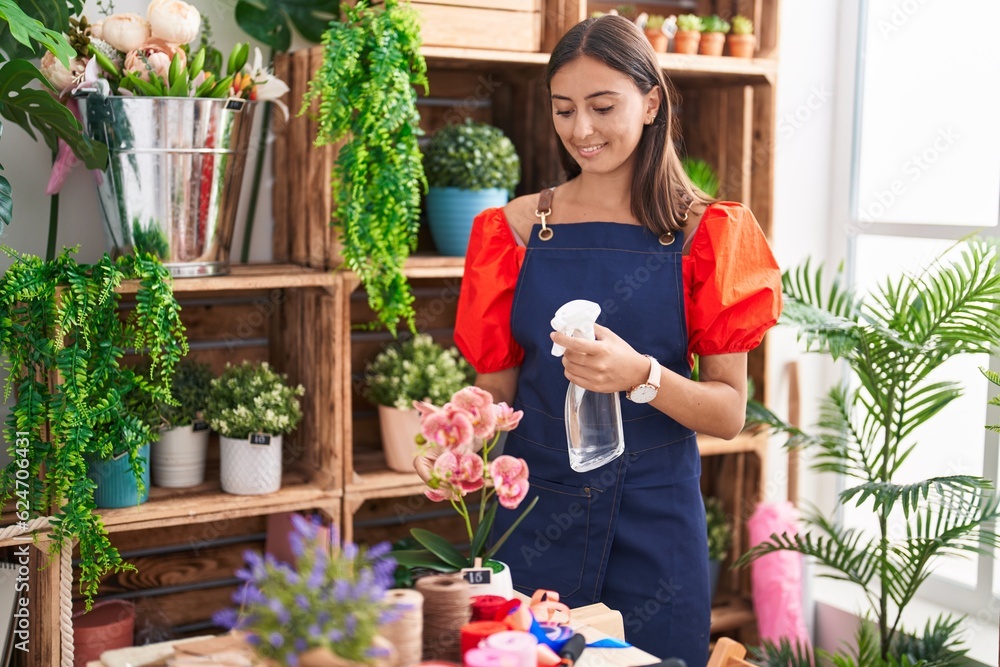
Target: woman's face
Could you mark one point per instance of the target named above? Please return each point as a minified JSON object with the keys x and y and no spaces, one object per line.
{"x":599,"y":113}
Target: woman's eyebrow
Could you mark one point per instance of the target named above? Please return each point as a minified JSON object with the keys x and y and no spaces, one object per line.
{"x":599,"y":93}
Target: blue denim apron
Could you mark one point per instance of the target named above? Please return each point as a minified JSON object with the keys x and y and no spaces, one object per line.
{"x":630,"y":534}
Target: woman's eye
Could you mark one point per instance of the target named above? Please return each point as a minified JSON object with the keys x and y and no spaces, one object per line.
{"x":563,"y":113}
{"x":604,"y":109}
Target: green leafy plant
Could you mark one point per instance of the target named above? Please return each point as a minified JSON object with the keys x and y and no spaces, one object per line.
{"x":689,"y":22}
{"x":629,"y":12}
{"x":720,"y":530}
{"x":191,"y":386}
{"x":270,"y":21}
{"x":62,"y":339}
{"x":892,"y":340}
{"x":702,"y":175}
{"x":332,"y":599}
{"x":366,"y":96}
{"x":152,"y":239}
{"x":715,"y":23}
{"x":472,"y":156}
{"x":655,"y":22}
{"x":742,"y":25}
{"x":25,"y":93}
{"x":417,"y":369}
{"x":252,"y":398}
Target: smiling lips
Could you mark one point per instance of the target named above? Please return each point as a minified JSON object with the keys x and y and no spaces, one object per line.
{"x":590,"y":151}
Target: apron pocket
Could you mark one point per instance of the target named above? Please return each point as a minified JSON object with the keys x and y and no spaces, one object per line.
{"x":549,"y":548}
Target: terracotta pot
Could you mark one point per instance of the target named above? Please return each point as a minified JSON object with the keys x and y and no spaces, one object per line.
{"x":711,"y":43}
{"x":658,"y":39}
{"x":108,"y":625}
{"x":399,"y":428}
{"x":741,"y":46}
{"x":686,"y":41}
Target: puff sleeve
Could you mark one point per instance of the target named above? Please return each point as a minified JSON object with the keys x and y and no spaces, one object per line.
{"x":733,"y":282}
{"x":482,"y":323}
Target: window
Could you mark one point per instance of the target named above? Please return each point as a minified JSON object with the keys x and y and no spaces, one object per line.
{"x":925,"y":172}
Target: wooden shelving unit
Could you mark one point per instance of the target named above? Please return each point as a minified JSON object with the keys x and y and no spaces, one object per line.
{"x":301,"y":316}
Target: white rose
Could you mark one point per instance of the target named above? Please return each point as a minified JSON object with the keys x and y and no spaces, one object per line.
{"x":174,"y":21}
{"x":97,"y":29}
{"x":125,"y":32}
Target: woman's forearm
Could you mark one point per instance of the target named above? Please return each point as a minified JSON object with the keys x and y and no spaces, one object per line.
{"x":502,"y":384}
{"x":714,"y":406}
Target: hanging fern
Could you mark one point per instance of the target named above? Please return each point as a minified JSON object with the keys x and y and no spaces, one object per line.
{"x":62,"y":339}
{"x":365,"y":91}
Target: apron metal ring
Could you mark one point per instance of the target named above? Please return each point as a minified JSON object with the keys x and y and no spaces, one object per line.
{"x":666,"y":238}
{"x":545,"y":233}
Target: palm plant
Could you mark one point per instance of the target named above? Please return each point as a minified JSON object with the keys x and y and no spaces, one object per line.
{"x":892,"y":340}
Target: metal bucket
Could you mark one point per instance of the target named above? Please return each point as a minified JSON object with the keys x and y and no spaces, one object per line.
{"x":175,"y":168}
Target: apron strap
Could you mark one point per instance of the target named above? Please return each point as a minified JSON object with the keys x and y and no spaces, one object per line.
{"x":544,"y":209}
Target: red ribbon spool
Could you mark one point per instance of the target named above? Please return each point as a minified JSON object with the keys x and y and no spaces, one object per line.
{"x":485,"y":607}
{"x":476,"y":631}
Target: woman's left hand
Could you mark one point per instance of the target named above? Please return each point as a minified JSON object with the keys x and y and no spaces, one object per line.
{"x":606,"y":365}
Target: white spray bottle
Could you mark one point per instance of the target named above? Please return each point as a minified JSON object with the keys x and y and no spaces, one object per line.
{"x":594,"y":433}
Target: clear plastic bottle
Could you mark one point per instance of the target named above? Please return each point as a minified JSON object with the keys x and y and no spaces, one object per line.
{"x":594,"y":434}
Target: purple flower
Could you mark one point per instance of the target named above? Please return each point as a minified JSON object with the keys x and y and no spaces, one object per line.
{"x":377,"y":652}
{"x":350,"y":623}
{"x":304,"y":527}
{"x":291,"y":659}
{"x":302,"y":601}
{"x":253,"y":639}
{"x":315,"y":633}
{"x":276,"y":639}
{"x":226,"y":618}
{"x":341,"y":590}
{"x":390,"y":615}
{"x":323,"y":617}
{"x":300,"y":645}
{"x":247,"y":595}
{"x":335,"y":635}
{"x":279,"y":610}
{"x":350,"y":551}
{"x":255,"y":563}
{"x":316,"y":577}
{"x":297,"y":545}
{"x":381,"y":549}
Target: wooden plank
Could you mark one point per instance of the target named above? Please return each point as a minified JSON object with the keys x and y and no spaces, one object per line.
{"x":185,"y":568}
{"x":328,"y":446}
{"x":186,"y":607}
{"x":300,"y":148}
{"x":735,"y":612}
{"x":762,"y":183}
{"x":470,"y":27}
{"x":737,"y":133}
{"x":244,"y":277}
{"x":279,"y":166}
{"x":194,"y":536}
{"x":767,"y":23}
{"x":317,"y":194}
{"x":452,"y":55}
{"x":44,"y":577}
{"x":504,"y":5}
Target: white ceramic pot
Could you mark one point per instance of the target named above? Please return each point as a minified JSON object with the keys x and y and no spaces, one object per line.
{"x":179,"y":456}
{"x":500,"y":582}
{"x":399,"y":428}
{"x":250,"y":469}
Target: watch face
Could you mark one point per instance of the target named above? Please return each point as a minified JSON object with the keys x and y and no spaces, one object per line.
{"x":644,"y":393}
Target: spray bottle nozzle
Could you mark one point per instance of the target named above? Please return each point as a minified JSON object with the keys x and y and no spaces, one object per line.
{"x":575,"y":318}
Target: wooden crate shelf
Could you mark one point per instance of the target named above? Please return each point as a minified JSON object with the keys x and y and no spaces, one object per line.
{"x":248,"y":277}
{"x":731,"y":613}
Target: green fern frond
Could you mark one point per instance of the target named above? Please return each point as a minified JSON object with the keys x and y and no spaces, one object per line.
{"x":887,"y":494}
{"x":938,"y":646}
{"x":783,"y":654}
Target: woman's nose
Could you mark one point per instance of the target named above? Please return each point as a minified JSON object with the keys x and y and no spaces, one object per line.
{"x":583,"y":127}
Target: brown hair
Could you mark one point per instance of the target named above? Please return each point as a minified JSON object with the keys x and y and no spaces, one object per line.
{"x":662,"y":193}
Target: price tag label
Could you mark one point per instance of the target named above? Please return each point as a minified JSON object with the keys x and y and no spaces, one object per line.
{"x":477,"y":576}
{"x":199,"y":426}
{"x":260,"y":439}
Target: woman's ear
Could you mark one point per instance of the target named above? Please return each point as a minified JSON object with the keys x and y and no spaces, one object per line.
{"x":653,"y":102}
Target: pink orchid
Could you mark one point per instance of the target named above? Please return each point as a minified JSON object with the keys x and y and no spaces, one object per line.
{"x":510,"y":480}
{"x":462,"y":470}
{"x":425,"y":408}
{"x":507,"y":417}
{"x":440,"y":494}
{"x":448,"y":427}
{"x":479,"y":404}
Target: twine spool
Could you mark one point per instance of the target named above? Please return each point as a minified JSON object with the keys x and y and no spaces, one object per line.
{"x":406,"y":632}
{"x":446,"y":610}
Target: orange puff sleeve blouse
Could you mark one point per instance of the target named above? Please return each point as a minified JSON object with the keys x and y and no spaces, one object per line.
{"x":732,"y":287}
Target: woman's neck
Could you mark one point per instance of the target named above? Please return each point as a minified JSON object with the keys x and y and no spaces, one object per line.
{"x":603,"y":191}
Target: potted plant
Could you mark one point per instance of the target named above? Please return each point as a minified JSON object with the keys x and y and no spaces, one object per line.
{"x":451,"y":434}
{"x":688,"y":35}
{"x":179,"y":456}
{"x":741,"y":41}
{"x":654,"y":33}
{"x":252,"y":407}
{"x":703,"y":176}
{"x":892,"y":340}
{"x":122,"y":480}
{"x":720,"y":538}
{"x":470,"y":166}
{"x":367,"y":100}
{"x":417,"y":369}
{"x":325,"y":611}
{"x":630,"y":12}
{"x":62,"y":338}
{"x":180,"y":199}
{"x":713,"y":36}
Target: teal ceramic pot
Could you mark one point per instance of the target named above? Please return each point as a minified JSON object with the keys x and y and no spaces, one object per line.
{"x":115,"y":483}
{"x":450,"y":212}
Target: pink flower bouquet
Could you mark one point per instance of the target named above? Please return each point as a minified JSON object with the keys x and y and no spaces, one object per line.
{"x":450,"y":435}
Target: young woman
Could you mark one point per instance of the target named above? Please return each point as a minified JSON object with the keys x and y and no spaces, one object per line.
{"x":675,"y":274}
